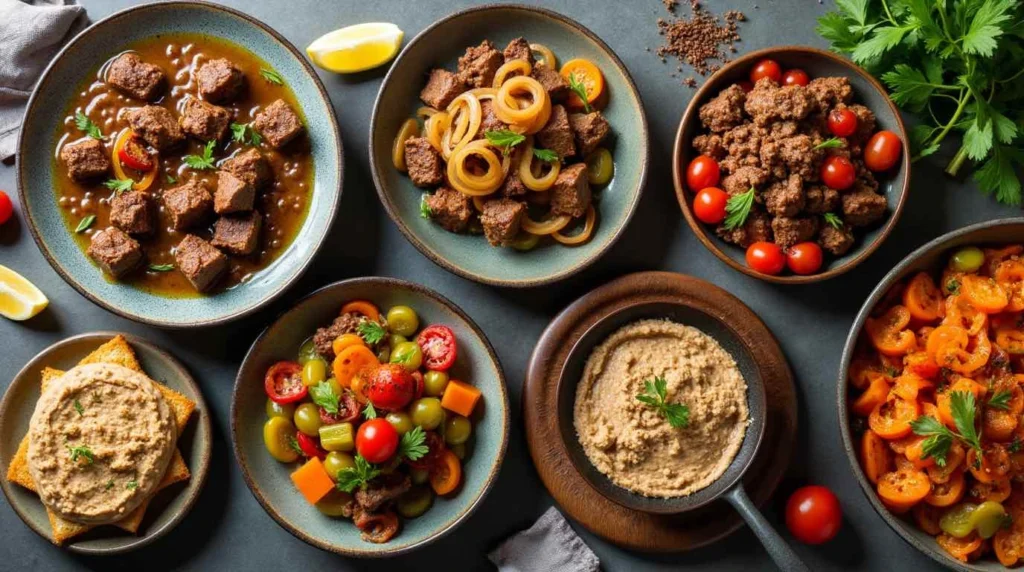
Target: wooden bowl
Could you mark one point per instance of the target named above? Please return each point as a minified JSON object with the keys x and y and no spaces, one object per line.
{"x":817,"y":63}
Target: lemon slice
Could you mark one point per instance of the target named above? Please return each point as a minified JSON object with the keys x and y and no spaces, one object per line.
{"x":356,"y":48}
{"x":19,"y":298}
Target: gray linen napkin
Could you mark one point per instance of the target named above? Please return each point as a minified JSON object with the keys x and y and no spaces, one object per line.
{"x":31,"y":32}
{"x":550,"y":545}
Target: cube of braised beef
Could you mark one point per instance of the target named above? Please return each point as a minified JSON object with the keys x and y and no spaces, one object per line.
{"x":424,"y":163}
{"x":442,"y":87}
{"x":115,"y":251}
{"x":188,"y":205}
{"x":204,"y":121}
{"x":450,"y":209}
{"x":250,"y":166}
{"x":519,"y":49}
{"x":278,"y":124}
{"x":590,"y":129}
{"x":200,"y":262}
{"x":156,"y":126}
{"x":219,"y":81}
{"x":513,"y":185}
{"x":557,"y":134}
{"x":233,"y":194}
{"x":135,"y":77}
{"x":238,"y":234}
{"x":489,"y":120}
{"x":133,"y":212}
{"x":86,"y":159}
{"x":570,"y":194}
{"x":552,"y":81}
{"x":501,"y":219}
{"x":477,"y":66}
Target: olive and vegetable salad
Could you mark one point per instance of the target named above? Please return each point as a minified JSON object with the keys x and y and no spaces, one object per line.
{"x":370,"y":411}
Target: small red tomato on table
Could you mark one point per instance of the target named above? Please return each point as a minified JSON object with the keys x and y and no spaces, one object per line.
{"x":376,"y":440}
{"x":813,"y":514}
{"x":709,"y":205}
{"x":766,"y":258}
{"x":702,"y":173}
{"x":766,"y":68}
{"x":6,"y":207}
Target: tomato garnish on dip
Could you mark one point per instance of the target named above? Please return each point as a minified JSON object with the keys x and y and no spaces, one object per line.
{"x":283,"y":382}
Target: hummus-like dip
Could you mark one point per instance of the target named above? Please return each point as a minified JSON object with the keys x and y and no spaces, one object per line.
{"x":100,"y":441}
{"x":632,"y":443}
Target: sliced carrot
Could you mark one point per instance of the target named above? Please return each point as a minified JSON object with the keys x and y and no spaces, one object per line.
{"x":874,"y":395}
{"x":954,"y":459}
{"x":943,"y":401}
{"x":921,"y":363}
{"x":996,"y":256}
{"x":891,"y":418}
{"x":903,"y":488}
{"x":993,"y":464}
{"x":944,"y":335}
{"x":1010,"y":275}
{"x":983,"y":293}
{"x":999,"y":425}
{"x":313,"y":481}
{"x":888,"y":333}
{"x":947,"y":493}
{"x":351,"y":361}
{"x":959,"y":548}
{"x":1009,"y":542}
{"x":965,"y":358}
{"x":874,"y":456}
{"x":923,"y":299}
{"x":927,"y":517}
{"x":362,"y":307}
{"x":584,"y":72}
{"x":960,"y":312}
{"x":346,"y":341}
{"x":446,"y":475}
{"x":995,"y":492}
{"x":460,"y":397}
{"x":915,"y":453}
{"x":909,"y":385}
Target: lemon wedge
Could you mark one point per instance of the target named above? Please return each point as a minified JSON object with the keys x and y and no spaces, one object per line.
{"x":19,"y":298}
{"x":356,"y":48}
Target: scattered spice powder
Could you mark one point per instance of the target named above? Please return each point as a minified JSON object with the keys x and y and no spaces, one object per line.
{"x":699,"y":40}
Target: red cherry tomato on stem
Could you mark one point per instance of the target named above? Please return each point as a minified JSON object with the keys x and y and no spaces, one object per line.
{"x":283,"y":382}
{"x":310,"y":446}
{"x":766,"y":68}
{"x":702,"y":173}
{"x":804,"y":258}
{"x":766,"y":258}
{"x":377,"y":440}
{"x":838,"y":173}
{"x":709,"y":205}
{"x":438,"y":346}
{"x":883,"y":151}
{"x":795,"y":77}
{"x":6,"y":207}
{"x":813,"y":514}
{"x":842,"y":122}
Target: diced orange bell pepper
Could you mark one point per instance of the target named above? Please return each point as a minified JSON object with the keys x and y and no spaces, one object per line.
{"x":460,"y":397}
{"x":313,"y":481}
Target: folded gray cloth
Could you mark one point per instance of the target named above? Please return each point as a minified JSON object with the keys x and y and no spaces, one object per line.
{"x":550,"y":545}
{"x":31,"y":32}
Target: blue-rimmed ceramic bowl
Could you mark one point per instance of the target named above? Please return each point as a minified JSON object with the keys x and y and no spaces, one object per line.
{"x":440,"y":45}
{"x":268,"y":479}
{"x":39,"y":139}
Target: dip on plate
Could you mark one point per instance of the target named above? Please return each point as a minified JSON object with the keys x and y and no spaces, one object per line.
{"x":631,"y":442}
{"x":100,"y":440}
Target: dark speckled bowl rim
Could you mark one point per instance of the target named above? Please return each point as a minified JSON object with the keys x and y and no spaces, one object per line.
{"x":197,"y":478}
{"x":701,"y":230}
{"x":940,"y":243}
{"x":453,"y":266}
{"x":317,"y":244}
{"x":296,"y":530}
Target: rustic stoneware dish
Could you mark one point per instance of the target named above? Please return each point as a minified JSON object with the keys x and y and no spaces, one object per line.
{"x":39,"y":139}
{"x":168,"y":507}
{"x":817,"y":63}
{"x":268,"y":479}
{"x":930,"y":257}
{"x":440,"y":45}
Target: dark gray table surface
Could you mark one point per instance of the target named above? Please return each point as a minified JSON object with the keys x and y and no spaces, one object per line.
{"x":228,"y":530}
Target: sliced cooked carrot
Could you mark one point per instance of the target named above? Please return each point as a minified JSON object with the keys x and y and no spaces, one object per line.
{"x":915,"y":453}
{"x":891,"y":418}
{"x":446,"y":475}
{"x":921,"y":363}
{"x":922,"y":298}
{"x":995,"y":492}
{"x":984,"y":293}
{"x":460,"y":397}
{"x":313,"y":481}
{"x":904,"y":488}
{"x":584,"y":72}
{"x":927,"y":517}
{"x":909,"y":385}
{"x":1010,"y":275}
{"x":362,"y":307}
{"x":993,"y":464}
{"x":959,"y":548}
{"x":874,"y":456}
{"x":947,"y":493}
{"x":346,"y":341}
{"x":875,"y":394}
{"x":888,"y":333}
{"x":351,"y":361}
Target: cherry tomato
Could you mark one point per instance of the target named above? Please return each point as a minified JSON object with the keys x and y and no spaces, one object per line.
{"x":377,"y":440}
{"x":766,"y":258}
{"x":813,"y":514}
{"x":310,"y":446}
{"x":702,"y":173}
{"x":838,"y":173}
{"x":438,"y":346}
{"x":283,"y":382}
{"x":348,"y":410}
{"x":745,"y":85}
{"x":795,"y":77}
{"x":435,"y":450}
{"x":134,"y":156}
{"x":6,"y":207}
{"x":842,"y":122}
{"x":804,"y":258}
{"x":709,"y":205}
{"x":883,"y":151}
{"x":766,"y":68}
{"x":389,"y":387}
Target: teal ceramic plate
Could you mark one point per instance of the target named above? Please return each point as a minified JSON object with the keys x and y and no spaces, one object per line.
{"x":269,"y":480}
{"x":440,"y":45}
{"x":168,"y":506}
{"x":39,"y":139}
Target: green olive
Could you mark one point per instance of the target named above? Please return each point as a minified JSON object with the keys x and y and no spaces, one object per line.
{"x":307,"y":351}
{"x":408,"y":354}
{"x":307,"y":419}
{"x":600,"y":166}
{"x":334,"y":503}
{"x":384,"y":354}
{"x":459,"y":450}
{"x":457,"y":429}
{"x":427,"y":413}
{"x":336,"y":461}
{"x":988,"y":518}
{"x":434,"y":383}
{"x":277,"y":435}
{"x":419,"y":476}
{"x":275,"y":409}
{"x":403,"y":320}
{"x":314,"y":372}
{"x":400,"y":421}
{"x":395,"y":339}
{"x":415,"y":502}
{"x":957,"y":522}
{"x":335,"y":386}
{"x":967,"y":259}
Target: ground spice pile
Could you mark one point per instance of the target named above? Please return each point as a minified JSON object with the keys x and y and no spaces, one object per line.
{"x":702,"y":41}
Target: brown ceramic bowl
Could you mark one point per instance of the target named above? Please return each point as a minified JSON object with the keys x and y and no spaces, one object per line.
{"x":817,"y":63}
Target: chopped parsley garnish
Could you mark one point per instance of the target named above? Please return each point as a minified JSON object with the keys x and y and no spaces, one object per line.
{"x":580,"y":90}
{"x":953,"y":286}
{"x":504,"y":139}
{"x":940,"y":437}
{"x":833,"y":220}
{"x":829,"y":143}
{"x":1000,"y":400}
{"x":244,"y":133}
{"x":204,"y":161}
{"x":737,"y":209}
{"x":351,"y":478}
{"x":654,"y":395}
{"x":272,"y":76}
{"x":413,"y":445}
{"x":545,"y":155}
{"x":81,"y":452}
{"x":83,"y":123}
{"x":371,"y":332}
{"x":369,"y":412}
{"x":425,"y":211}
{"x":132,"y":485}
{"x":85,"y":223}
{"x":79,"y":408}
{"x":293,"y":444}
{"x":110,"y":485}
{"x":161,"y":267}
{"x":171,"y":180}
{"x":323,"y":395}
{"x":119,"y":185}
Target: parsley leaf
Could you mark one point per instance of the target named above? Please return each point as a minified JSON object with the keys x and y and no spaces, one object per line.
{"x":132,"y":485}
{"x":204,"y":161}
{"x":369,"y":412}
{"x":962,"y":406}
{"x":830,"y":143}
{"x":580,"y":90}
{"x":545,"y":155}
{"x":833,"y":220}
{"x":737,"y":209}
{"x":504,"y":139}
{"x":986,"y":27}
{"x":939,"y":438}
{"x":81,"y":451}
{"x":293,"y":444}
{"x":413,"y":445}
{"x":323,"y":395}
{"x":953,"y":286}
{"x":171,"y":180}
{"x":654,"y":395}
{"x":83,"y":123}
{"x":85,"y":223}
{"x":244,"y":133}
{"x":161,"y":267}
{"x":79,"y":408}
{"x":351,"y":478}
{"x":271,"y":76}
{"x":1000,"y":400}
{"x":425,"y":211}
{"x":371,"y":332}
{"x":119,"y":185}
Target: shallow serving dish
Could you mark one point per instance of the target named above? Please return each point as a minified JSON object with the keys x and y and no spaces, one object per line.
{"x":269,"y":480}
{"x":817,"y":63}
{"x":929,"y":257}
{"x":470,"y":256}
{"x":167,"y":508}
{"x":36,"y":181}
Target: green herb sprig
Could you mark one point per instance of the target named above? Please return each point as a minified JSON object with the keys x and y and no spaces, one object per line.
{"x":271,"y":76}
{"x":204,"y":161}
{"x":371,"y":332}
{"x":81,"y":452}
{"x":119,"y":185}
{"x":833,"y":220}
{"x":244,"y":133}
{"x":425,"y":211}
{"x":546,"y":155}
{"x":369,"y":412}
{"x":351,"y":478}
{"x":1000,"y":399}
{"x":654,"y":395}
{"x":324,"y":396}
{"x":413,"y":445}
{"x":85,"y":223}
{"x":737,"y":209}
{"x":939,"y":438}
{"x":504,"y":139}
{"x":832,"y":143}
{"x":580,"y":90}
{"x":84,"y":124}
{"x":161,"y":267}
{"x":79,"y":408}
